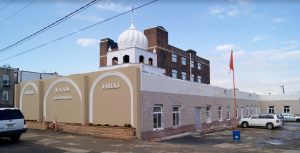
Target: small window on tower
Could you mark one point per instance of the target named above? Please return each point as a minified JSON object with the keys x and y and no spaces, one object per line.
{"x":141,"y":59}
{"x":115,"y":61}
{"x":150,"y":61}
{"x":126,"y":59}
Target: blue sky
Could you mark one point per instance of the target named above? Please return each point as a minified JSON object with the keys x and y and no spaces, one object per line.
{"x":264,"y":36}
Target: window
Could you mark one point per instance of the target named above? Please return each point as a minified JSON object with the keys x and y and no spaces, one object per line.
{"x":174,"y":73}
{"x":251,"y":110}
{"x":271,"y":110}
{"x":5,"y":96}
{"x":176,"y":115}
{"x":242,"y":112}
{"x":183,"y":60}
{"x":141,"y":59}
{"x":266,"y":116}
{"x":192,"y":64}
{"x":255,"y":110}
{"x":192,"y":77}
{"x":237,"y":112}
{"x":199,"y":66}
{"x":114,"y":61}
{"x":208,"y":118}
{"x":220,"y":113}
{"x":157,"y":117}
{"x":10,"y":114}
{"x":183,"y":75}
{"x":126,"y":59}
{"x":247,"y":111}
{"x":174,"y":58}
{"x":228,"y":112}
{"x":286,"y":109}
{"x":199,"y":79}
{"x":5,"y":78}
{"x":150,"y":61}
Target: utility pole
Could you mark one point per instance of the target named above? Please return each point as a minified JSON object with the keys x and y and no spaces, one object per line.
{"x":282,"y":88}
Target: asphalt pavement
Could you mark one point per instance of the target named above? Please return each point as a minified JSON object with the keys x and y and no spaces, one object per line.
{"x":286,"y":140}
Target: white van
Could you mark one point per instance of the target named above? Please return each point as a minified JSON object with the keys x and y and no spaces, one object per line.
{"x":12,"y":123}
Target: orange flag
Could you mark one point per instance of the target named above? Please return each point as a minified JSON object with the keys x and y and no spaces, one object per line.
{"x":231,"y":61}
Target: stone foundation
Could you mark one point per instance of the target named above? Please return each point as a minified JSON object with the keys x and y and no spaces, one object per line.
{"x":98,"y":131}
{"x":150,"y":135}
{"x":205,"y":127}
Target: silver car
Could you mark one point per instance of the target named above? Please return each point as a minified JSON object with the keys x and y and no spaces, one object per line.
{"x":290,"y":117}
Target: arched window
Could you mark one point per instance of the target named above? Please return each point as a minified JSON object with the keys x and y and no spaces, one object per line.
{"x":126,"y":59}
{"x":141,"y":59}
{"x":114,"y":61}
{"x":150,"y":61}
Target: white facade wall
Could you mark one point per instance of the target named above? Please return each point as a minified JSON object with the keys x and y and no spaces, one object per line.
{"x":134,"y":54}
{"x":165,"y":84}
{"x":279,"y":102}
{"x":169,"y":92}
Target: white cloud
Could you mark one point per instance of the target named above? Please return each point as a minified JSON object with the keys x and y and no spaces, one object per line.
{"x":259,"y":38}
{"x":260,"y":71}
{"x":113,"y":6}
{"x":216,"y":10}
{"x":226,"y":47}
{"x":91,"y":18}
{"x":87,"y":42}
{"x":233,"y":12}
{"x":290,"y":44}
{"x":224,"y":11}
{"x":279,"y":20}
{"x":277,"y":55}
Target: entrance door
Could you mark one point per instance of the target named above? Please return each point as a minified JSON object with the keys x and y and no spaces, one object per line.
{"x":198,"y":119}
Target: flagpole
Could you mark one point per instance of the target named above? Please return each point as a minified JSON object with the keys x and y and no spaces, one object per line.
{"x":234,"y":101}
{"x":231,"y":66}
{"x":235,"y":133}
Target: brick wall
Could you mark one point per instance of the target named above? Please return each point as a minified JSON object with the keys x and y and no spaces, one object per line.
{"x":158,"y":36}
{"x":98,"y":131}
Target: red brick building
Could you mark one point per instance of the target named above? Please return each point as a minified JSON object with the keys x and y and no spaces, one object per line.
{"x":174,"y":60}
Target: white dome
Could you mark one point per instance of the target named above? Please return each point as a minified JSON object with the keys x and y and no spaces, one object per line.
{"x":132,"y":38}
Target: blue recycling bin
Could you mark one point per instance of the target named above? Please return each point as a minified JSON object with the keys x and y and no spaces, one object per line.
{"x":236,"y":135}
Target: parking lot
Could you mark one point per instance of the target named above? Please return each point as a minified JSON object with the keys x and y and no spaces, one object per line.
{"x":286,"y":139}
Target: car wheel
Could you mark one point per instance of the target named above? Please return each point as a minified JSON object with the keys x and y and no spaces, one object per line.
{"x":245,"y":125}
{"x":270,"y":126}
{"x":15,"y":138}
{"x":298,"y":120}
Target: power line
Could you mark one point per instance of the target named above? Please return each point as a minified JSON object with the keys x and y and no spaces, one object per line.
{"x":7,"y":4}
{"x":70,"y":34}
{"x":49,"y":26}
{"x":18,"y":11}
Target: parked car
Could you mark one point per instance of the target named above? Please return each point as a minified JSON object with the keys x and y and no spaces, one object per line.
{"x":12,"y":123}
{"x":290,"y":117}
{"x":269,"y":121}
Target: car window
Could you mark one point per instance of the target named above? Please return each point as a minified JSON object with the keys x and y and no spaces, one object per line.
{"x":266,"y":116}
{"x":9,"y":114}
{"x":279,"y":116}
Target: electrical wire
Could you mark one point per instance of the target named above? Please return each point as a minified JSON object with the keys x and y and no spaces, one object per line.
{"x":18,"y":11}
{"x":7,"y":4}
{"x":70,"y":34}
{"x":49,"y":26}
